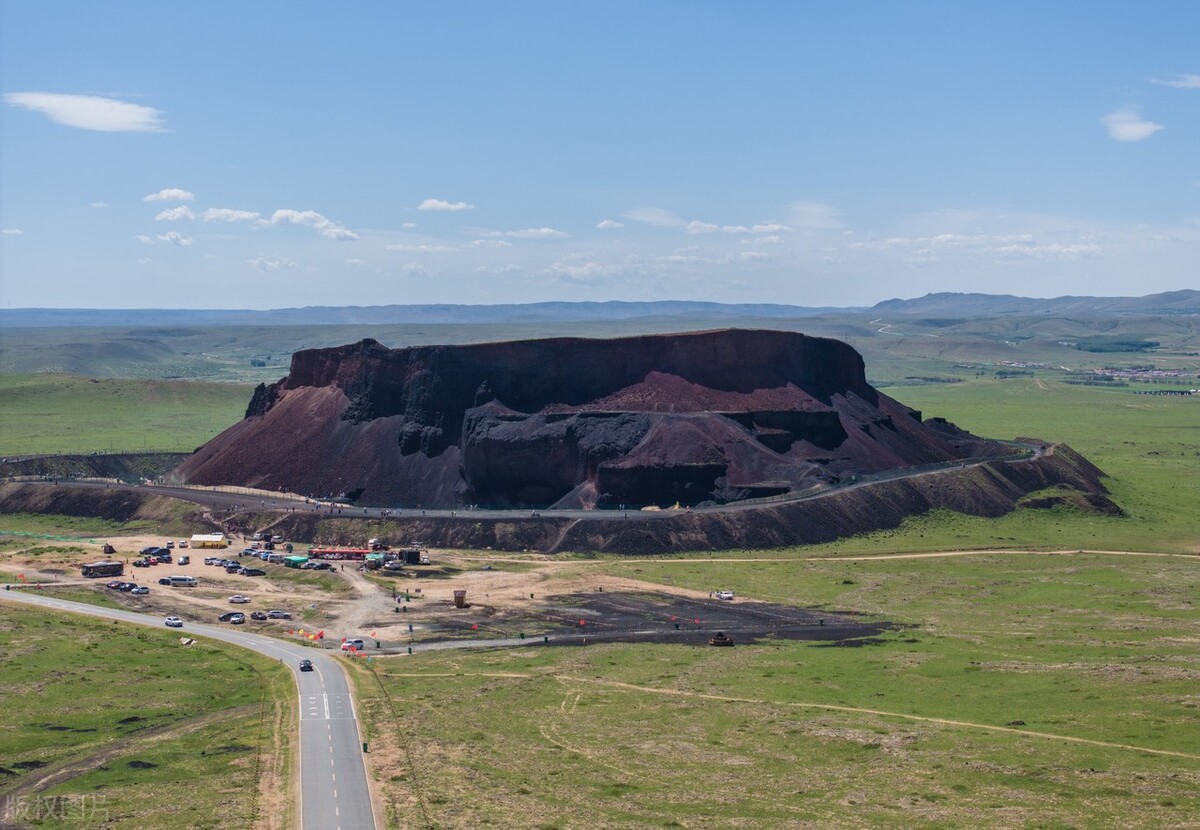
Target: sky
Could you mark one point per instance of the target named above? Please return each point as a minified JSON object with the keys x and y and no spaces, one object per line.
{"x":285,"y":154}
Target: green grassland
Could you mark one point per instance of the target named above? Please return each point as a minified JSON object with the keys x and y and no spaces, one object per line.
{"x":1020,"y":691}
{"x":1149,"y":447}
{"x":121,"y":726}
{"x":69,"y":414}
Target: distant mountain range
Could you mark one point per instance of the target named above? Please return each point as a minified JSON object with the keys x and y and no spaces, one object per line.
{"x":931,"y":305}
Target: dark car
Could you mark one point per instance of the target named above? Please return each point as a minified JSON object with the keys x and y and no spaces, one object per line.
{"x":165,"y":580}
{"x":235,"y":617}
{"x":232,"y":568}
{"x":322,"y":566}
{"x":306,"y":665}
{"x":258,"y":615}
{"x":141,"y":563}
{"x":115,"y":584}
{"x":252,"y":572}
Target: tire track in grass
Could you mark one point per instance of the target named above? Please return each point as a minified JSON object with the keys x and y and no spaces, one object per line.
{"x":832,"y":707}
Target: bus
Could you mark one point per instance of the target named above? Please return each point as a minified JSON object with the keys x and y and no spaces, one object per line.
{"x":104,"y":569}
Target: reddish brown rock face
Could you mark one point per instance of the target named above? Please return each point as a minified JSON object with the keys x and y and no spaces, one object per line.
{"x":700,"y":417}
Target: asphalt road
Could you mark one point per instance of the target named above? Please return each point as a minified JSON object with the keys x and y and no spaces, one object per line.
{"x":286,"y":502}
{"x":333,"y":775}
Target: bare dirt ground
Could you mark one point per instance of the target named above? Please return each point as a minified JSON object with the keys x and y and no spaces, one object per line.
{"x":505,"y":597}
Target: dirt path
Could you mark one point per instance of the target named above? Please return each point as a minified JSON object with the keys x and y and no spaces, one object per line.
{"x":596,"y":681}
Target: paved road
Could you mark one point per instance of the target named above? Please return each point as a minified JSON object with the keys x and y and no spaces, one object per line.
{"x":287,"y":502}
{"x":333,"y":776}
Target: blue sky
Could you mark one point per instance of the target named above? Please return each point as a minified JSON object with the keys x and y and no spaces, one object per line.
{"x":263,"y":155}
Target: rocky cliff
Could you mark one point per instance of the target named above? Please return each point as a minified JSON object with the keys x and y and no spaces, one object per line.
{"x":705,"y":417}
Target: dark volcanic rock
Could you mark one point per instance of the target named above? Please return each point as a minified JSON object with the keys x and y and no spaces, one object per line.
{"x":691,"y":418}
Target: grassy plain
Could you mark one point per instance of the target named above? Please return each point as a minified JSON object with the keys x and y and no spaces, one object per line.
{"x":110,"y":725}
{"x":1019,"y":691}
{"x":67,"y":414}
{"x":1149,"y":447}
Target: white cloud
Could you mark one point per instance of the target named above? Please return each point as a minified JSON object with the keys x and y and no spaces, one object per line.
{"x":145,"y":261}
{"x":1128,"y":125}
{"x":409,"y":248}
{"x":310,"y":218}
{"x":170,"y":194}
{"x":755,"y":256}
{"x":145,"y":240}
{"x":98,"y":204}
{"x":355,"y":261}
{"x":229,"y":215}
{"x":266,"y":266}
{"x":175,"y":214}
{"x":771,"y":239}
{"x":698,"y":227}
{"x":498,"y":269}
{"x":490,"y":243}
{"x":1179,"y":81}
{"x":810,"y":215}
{"x":175,"y":238}
{"x":13,"y":232}
{"x":532,"y":233}
{"x":440,"y":204}
{"x":409,"y":225}
{"x":90,"y":112}
{"x":608,"y":225}
{"x":654,"y":216}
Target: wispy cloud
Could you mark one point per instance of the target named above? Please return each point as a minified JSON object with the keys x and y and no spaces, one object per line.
{"x":144,"y":239}
{"x":90,"y":112}
{"x":1179,"y":81}
{"x":440,"y":204}
{"x":410,"y":248}
{"x":267,"y":266}
{"x":608,"y":225}
{"x":355,"y":261}
{"x":490,"y":243}
{"x":532,"y":233}
{"x":229,"y":215}
{"x":809,"y":215}
{"x":170,"y":194}
{"x":310,"y":218}
{"x":698,"y":227}
{"x":13,"y":232}
{"x":659,"y":217}
{"x":98,"y":205}
{"x":1128,"y":125}
{"x":175,"y":214}
{"x":175,"y":238}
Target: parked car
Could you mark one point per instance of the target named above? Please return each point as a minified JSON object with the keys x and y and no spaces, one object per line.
{"x":141,"y":563}
{"x":322,"y":566}
{"x":170,"y":544}
{"x":150,"y":549}
{"x":173,"y":622}
{"x":355,"y":643}
{"x":238,"y":619}
{"x":724,"y":594}
{"x":239,"y":599}
{"x":164,"y":580}
{"x":126,"y":586}
{"x":140,"y":589}
{"x":185,"y":560}
{"x":115,"y":584}
{"x":183,"y":543}
{"x":279,"y":615}
{"x":258,"y":615}
{"x":210,"y":560}
{"x":232,"y":568}
{"x":235,"y":617}
{"x":252,"y":572}
{"x":306,"y":665}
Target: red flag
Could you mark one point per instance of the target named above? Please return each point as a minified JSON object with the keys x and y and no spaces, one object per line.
{"x":475,"y":627}
{"x":583,"y":622}
{"x":372,"y":633}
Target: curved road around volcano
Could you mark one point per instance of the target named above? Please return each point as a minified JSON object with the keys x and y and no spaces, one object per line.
{"x":333,"y":778}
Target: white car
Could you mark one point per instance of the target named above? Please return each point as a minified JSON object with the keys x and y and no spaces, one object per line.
{"x":239,"y":599}
{"x":354,"y":643}
{"x":139,"y":589}
{"x":174,"y":622}
{"x":724,"y":595}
